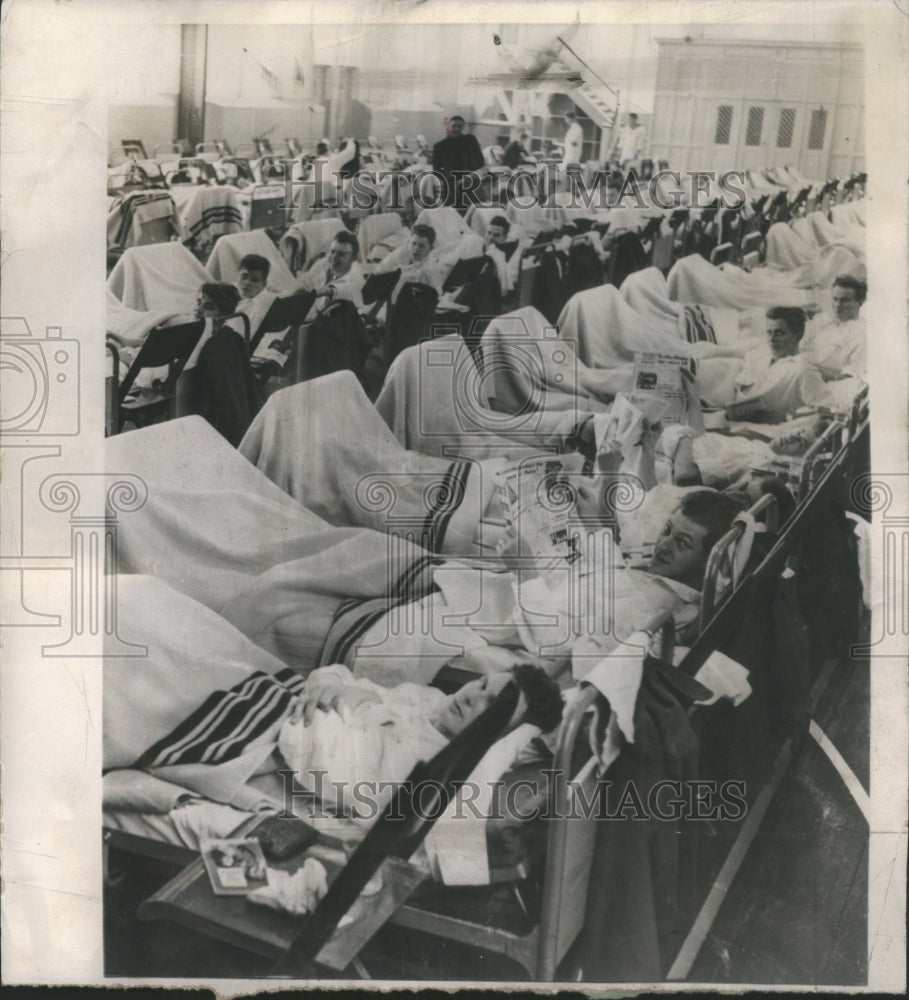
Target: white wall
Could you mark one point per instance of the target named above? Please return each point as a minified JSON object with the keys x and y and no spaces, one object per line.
{"x":144,"y":104}
{"x":698,"y":76}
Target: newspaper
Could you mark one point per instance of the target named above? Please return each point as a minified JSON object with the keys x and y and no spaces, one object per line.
{"x":538,"y":501}
{"x":661,"y":376}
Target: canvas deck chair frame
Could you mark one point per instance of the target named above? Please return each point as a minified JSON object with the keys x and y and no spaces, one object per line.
{"x":165,"y":346}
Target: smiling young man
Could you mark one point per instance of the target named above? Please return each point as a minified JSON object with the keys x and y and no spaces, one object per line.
{"x":339,"y":270}
{"x":776,"y":380}
{"x":415,"y":260}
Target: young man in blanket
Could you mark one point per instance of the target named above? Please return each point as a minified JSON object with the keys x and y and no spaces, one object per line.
{"x":208,"y":715}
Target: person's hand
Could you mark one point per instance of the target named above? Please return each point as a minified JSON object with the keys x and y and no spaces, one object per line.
{"x":118,"y":338}
{"x":352,"y":696}
{"x":589,"y":506}
{"x":693,"y":397}
{"x":317,"y":693}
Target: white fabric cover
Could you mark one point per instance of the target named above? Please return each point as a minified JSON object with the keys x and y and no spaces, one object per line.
{"x":160,"y":276}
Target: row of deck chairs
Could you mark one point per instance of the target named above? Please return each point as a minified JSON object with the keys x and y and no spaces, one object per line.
{"x":552,"y":897}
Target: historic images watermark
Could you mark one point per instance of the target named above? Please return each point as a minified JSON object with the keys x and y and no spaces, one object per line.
{"x":665,"y":190}
{"x":527,"y":799}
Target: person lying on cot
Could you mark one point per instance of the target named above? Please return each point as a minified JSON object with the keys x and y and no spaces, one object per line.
{"x":338,"y":270}
{"x":346,"y":732}
{"x":216,"y":301}
{"x":472,"y":245}
{"x":482,"y":618}
{"x":775,"y":380}
{"x":255,"y":302}
{"x":415,"y":260}
{"x":226,"y":393}
{"x":835,"y":342}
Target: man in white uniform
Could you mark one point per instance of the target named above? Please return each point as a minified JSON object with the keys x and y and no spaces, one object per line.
{"x":630,"y":144}
{"x":836,"y":344}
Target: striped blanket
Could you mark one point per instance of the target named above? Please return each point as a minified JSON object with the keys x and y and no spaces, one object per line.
{"x":128,"y":214}
{"x":353,"y":617}
{"x":227,"y":723}
{"x":210,"y":213}
{"x":354,"y":472}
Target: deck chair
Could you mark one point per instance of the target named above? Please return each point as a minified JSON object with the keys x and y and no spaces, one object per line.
{"x":209,"y":151}
{"x":376,"y":228}
{"x":271,"y":168}
{"x":134,"y":147}
{"x":199,"y":163}
{"x":242,"y":167}
{"x":391,"y":836}
{"x":165,"y":346}
{"x":266,"y":207}
{"x":721,"y":254}
{"x":167,"y":151}
{"x":752,"y":250}
{"x":569,"y":847}
{"x":163,"y":276}
{"x":821,"y":454}
{"x":726,"y":561}
{"x":145,"y":217}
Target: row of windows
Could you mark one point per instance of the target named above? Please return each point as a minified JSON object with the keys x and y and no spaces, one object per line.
{"x":755,"y":127}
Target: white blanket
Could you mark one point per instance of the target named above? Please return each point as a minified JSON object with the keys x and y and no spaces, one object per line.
{"x":325,"y":445}
{"x":693,"y":279}
{"x":435,"y":402}
{"x":161,"y":276}
{"x":224,"y":262}
{"x":131,"y":323}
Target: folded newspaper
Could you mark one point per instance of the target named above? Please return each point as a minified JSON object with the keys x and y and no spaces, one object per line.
{"x":662,"y":377}
{"x":538,"y":498}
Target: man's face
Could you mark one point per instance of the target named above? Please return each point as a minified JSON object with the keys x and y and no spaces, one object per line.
{"x":494,"y":235}
{"x":456,"y":127}
{"x":340,"y":257}
{"x":783,"y":342}
{"x":205,"y":308}
{"x":680,"y":552}
{"x":250,"y":283}
{"x":845,"y":305}
{"x":469,"y":701}
{"x":419,"y":247}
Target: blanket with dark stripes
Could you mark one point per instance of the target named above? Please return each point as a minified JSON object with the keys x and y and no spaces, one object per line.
{"x":225,"y":725}
{"x":355,"y":616}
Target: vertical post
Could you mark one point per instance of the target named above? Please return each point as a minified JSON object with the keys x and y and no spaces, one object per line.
{"x":193,"y":67}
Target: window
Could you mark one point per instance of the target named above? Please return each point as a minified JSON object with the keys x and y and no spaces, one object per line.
{"x":755,"y":127}
{"x":723,"y":125}
{"x":785,"y":129}
{"x":817,"y":129}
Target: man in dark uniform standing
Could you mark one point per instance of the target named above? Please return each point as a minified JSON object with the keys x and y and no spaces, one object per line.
{"x":452,"y":158}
